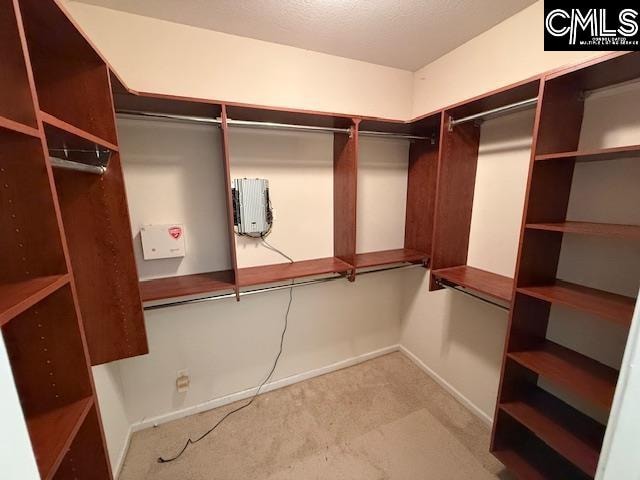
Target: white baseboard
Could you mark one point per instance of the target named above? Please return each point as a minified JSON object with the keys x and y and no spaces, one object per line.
{"x":283,"y":382}
{"x":122,"y":454}
{"x":448,"y":387}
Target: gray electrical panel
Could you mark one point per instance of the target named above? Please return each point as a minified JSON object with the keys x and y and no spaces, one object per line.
{"x":251,"y":210}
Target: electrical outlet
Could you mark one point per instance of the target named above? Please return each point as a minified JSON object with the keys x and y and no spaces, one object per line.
{"x":183,"y":381}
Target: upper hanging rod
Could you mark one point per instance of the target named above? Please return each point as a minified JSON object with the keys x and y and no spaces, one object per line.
{"x":265,"y":125}
{"x":495,"y":111}
{"x":78,"y":167}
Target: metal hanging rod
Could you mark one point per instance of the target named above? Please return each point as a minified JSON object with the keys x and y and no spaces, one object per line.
{"x":264,"y":125}
{"x":495,"y":111}
{"x":455,"y":288}
{"x":76,"y":166}
{"x":255,"y":291}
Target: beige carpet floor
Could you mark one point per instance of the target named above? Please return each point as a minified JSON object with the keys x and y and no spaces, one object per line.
{"x":382,"y":419}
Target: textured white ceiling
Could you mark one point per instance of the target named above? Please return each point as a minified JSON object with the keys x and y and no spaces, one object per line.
{"x":405,"y":34}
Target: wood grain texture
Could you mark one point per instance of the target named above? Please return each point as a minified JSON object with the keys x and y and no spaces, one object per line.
{"x":98,"y":232}
{"x":457,"y":164}
{"x":388,"y":257}
{"x":594,"y":155}
{"x":226,"y":158}
{"x":85,"y":457}
{"x":488,"y":283}
{"x":16,"y":100}
{"x":46,"y":352}
{"x":71,"y":78}
{"x":15,"y":298}
{"x":30,"y":244}
{"x":182,"y":285}
{"x":610,"y":306}
{"x":345,"y":194}
{"x":53,"y":432}
{"x":572,"y":434}
{"x":421,"y":195}
{"x":573,"y":371}
{"x":627,"y":232}
{"x":288,"y":271}
{"x":14,"y":126}
{"x":60,"y":133}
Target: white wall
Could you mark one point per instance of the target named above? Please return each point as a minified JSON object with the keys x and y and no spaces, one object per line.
{"x":159,"y":56}
{"x":382,"y":194}
{"x":16,"y":456}
{"x":507,"y":53}
{"x":228,"y":346}
{"x":113,"y":410}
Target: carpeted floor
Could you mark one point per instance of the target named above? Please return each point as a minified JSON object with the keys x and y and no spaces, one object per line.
{"x":382,"y":419}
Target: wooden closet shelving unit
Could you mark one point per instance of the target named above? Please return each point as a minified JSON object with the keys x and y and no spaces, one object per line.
{"x":420,"y":193}
{"x":535,"y":434}
{"x":457,"y":165}
{"x":55,"y":95}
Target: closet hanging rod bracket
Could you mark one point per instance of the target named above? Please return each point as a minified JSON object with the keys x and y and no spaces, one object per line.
{"x":493,"y":112}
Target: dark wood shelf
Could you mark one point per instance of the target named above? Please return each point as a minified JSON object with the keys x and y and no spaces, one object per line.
{"x":629,"y":232}
{"x":388,"y":257}
{"x":14,"y":126}
{"x":588,"y":378}
{"x":17,"y":297}
{"x":610,"y":306}
{"x":289,"y":271}
{"x":491,"y":284}
{"x":53,"y":432}
{"x":572,"y":434}
{"x":183,"y":285}
{"x":60,"y":133}
{"x":595,"y":155}
{"x":528,"y":463}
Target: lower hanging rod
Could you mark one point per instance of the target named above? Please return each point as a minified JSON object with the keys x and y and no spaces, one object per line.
{"x":264,"y":125}
{"x":274,"y":288}
{"x":77,"y":166}
{"x":493,"y":112}
{"x":466,"y":292}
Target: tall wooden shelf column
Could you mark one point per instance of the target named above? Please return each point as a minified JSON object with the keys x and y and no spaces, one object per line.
{"x":55,"y":96}
{"x":536,"y":434}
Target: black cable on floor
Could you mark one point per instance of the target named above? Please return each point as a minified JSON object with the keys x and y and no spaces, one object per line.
{"x":273,"y":369}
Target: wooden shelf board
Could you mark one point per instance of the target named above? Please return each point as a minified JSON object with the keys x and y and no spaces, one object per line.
{"x":288,"y":271}
{"x":492,"y":284}
{"x":584,"y":376}
{"x":631,"y":232}
{"x":535,"y":465}
{"x":388,"y":257}
{"x":610,"y":306}
{"x":572,"y":434}
{"x":183,"y":285}
{"x":53,"y":432}
{"x":59,"y":133}
{"x":14,"y":126}
{"x":17,"y":297}
{"x":594,"y":155}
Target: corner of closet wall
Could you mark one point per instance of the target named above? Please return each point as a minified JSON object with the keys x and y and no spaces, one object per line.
{"x":511,"y":51}
{"x":155,"y":55}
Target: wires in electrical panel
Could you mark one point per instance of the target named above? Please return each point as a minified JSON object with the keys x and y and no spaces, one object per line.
{"x":268,"y":377}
